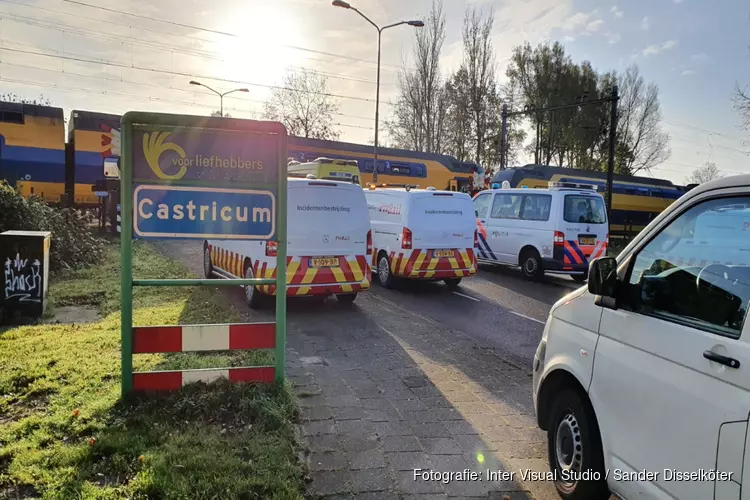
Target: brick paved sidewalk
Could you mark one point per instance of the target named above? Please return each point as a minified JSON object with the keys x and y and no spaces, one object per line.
{"x":384,"y":391}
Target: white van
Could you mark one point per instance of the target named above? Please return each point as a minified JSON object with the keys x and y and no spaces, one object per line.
{"x":421,"y":234}
{"x":328,"y":249}
{"x":645,"y":373}
{"x":555,"y":230}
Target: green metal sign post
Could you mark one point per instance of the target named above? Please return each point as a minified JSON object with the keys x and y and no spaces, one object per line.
{"x":191,"y":177}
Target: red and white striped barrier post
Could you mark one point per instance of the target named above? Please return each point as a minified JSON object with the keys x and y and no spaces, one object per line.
{"x":197,"y":338}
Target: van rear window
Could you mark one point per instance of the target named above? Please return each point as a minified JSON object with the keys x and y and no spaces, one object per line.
{"x":582,"y":209}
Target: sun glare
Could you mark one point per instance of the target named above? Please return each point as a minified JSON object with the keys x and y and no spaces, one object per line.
{"x":260,"y":54}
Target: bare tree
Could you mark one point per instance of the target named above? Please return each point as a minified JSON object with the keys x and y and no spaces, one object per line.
{"x":418,"y":120}
{"x":705,"y":173}
{"x":479,"y":63}
{"x":639,"y":122}
{"x":742,"y":104}
{"x":304,"y":105}
{"x":459,"y":131}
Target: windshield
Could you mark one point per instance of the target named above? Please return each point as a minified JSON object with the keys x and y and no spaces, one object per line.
{"x":584,"y":209}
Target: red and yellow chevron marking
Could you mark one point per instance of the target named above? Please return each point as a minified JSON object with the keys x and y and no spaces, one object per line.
{"x":352,"y":275}
{"x":230,"y":262}
{"x":422,"y":265}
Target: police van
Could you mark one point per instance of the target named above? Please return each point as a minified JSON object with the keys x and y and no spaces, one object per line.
{"x":421,"y":234}
{"x":555,"y":230}
{"x":328,"y":249}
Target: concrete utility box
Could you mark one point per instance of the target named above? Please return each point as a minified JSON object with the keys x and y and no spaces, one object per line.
{"x":25,"y":259}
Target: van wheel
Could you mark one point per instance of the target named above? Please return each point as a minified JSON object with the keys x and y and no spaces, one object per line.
{"x":254,"y":298}
{"x":208,"y":268}
{"x":452,"y":283}
{"x":385,"y":276}
{"x":531,"y":264}
{"x":580,"y":278}
{"x":575,"y":448}
{"x":346,"y":298}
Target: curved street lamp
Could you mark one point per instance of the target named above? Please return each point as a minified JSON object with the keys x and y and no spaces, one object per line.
{"x":416,"y":24}
{"x":220,"y":94}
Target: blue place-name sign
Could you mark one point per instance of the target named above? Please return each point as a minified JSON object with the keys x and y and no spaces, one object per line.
{"x":203,"y":213}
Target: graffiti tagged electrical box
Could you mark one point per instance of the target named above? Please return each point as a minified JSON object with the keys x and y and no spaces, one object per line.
{"x":25,"y":261}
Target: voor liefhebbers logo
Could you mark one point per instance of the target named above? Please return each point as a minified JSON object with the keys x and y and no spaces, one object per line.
{"x":154,"y":146}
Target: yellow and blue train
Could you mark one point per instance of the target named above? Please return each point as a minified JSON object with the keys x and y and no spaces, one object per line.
{"x":635,"y":200}
{"x":395,"y":166}
{"x":36,"y":158}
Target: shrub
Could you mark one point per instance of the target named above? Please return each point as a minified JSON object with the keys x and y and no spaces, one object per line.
{"x":73,"y":244}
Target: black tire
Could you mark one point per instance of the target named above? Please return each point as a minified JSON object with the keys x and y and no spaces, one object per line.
{"x":385,"y":276}
{"x":452,"y":283}
{"x":346,"y":298}
{"x":208,"y":266}
{"x":254,"y":298}
{"x":579,"y":278}
{"x":573,"y":423}
{"x":531,"y":264}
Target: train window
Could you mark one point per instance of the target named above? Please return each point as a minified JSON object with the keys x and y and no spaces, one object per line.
{"x":8,"y":116}
{"x":369,"y":164}
{"x":400,"y":169}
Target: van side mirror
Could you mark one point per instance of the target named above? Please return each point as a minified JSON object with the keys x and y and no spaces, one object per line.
{"x":603,"y":276}
{"x":476,"y":213}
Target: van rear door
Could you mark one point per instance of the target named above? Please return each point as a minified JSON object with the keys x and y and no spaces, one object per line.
{"x":584,"y":225}
{"x":441,"y":220}
{"x":326,"y":219}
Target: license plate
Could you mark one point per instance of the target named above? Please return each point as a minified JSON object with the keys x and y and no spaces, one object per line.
{"x":324,"y":262}
{"x":442,"y":253}
{"x":588,"y":240}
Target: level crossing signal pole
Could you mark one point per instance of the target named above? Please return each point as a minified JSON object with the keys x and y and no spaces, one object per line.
{"x":613,"y":99}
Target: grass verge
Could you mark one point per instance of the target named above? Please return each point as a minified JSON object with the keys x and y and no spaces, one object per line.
{"x":65,"y":434}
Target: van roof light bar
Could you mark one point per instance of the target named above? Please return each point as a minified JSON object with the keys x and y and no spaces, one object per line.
{"x":572,"y":185}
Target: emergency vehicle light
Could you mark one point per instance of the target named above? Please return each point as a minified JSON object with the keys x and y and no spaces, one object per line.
{"x":557,"y":184}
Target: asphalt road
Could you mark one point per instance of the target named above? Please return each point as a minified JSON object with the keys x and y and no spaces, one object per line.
{"x":498,"y":308}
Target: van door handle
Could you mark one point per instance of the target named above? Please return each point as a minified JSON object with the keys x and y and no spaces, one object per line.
{"x":724,"y":360}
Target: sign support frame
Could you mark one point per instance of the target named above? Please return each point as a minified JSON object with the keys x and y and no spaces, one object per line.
{"x":127,"y":282}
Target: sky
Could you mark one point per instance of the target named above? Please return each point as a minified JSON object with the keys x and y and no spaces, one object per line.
{"x":115,"y":56}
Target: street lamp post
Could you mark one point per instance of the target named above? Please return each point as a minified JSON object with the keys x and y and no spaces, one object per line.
{"x":220,"y":94}
{"x":416,"y":24}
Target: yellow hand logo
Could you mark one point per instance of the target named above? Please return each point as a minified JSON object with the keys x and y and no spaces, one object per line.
{"x":154,"y":147}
